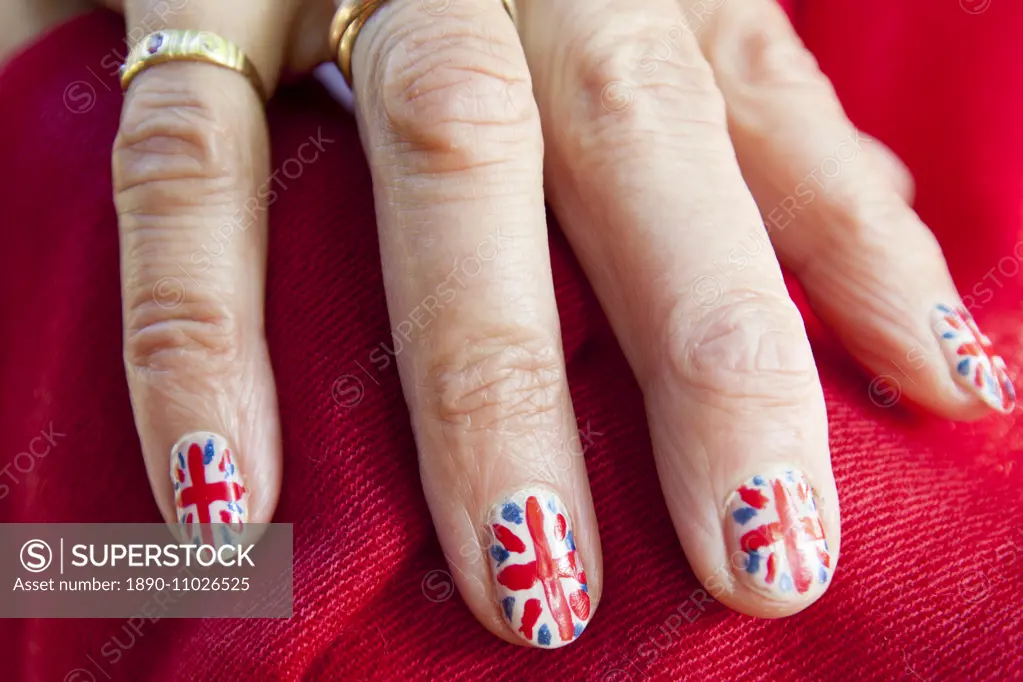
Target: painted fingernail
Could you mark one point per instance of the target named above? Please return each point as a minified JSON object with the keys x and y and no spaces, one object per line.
{"x":776,"y":537}
{"x":969,"y":353}
{"x":538,"y":575}
{"x":208,"y":489}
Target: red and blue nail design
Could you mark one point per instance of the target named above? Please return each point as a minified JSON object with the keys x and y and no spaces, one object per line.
{"x":208,"y":489}
{"x":776,"y":539}
{"x":969,"y":353}
{"x":538,"y":575}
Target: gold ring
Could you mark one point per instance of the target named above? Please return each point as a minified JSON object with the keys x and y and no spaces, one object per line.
{"x":348,"y":21}
{"x":190,"y":46}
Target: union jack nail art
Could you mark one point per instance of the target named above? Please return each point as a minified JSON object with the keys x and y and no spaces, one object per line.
{"x":969,"y":353}
{"x":776,"y":538}
{"x":208,"y":490}
{"x":538,"y":576}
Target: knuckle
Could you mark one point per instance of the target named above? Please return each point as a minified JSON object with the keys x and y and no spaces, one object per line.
{"x":176,"y":146}
{"x":505,"y":379}
{"x":926,"y":247}
{"x":869,"y":222}
{"x":766,"y":53}
{"x":772,"y":60}
{"x":194,"y":334}
{"x":670,"y":78}
{"x":865,"y":221}
{"x":444,"y":83}
{"x":752,"y":345}
{"x":879,"y":235}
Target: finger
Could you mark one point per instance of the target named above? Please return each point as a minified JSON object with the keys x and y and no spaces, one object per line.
{"x":190,"y":164}
{"x":871,"y":269}
{"x":452,"y":134}
{"x":644,"y":181}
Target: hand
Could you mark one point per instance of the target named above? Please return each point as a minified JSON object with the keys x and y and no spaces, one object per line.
{"x":660,"y":143}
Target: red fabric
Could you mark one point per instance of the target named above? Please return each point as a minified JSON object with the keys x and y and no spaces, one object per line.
{"x":929,"y":583}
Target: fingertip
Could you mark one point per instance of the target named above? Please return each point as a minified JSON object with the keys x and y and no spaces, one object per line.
{"x":940,"y":361}
{"x":539,"y":577}
{"x":781,"y":545}
{"x":977,"y":370}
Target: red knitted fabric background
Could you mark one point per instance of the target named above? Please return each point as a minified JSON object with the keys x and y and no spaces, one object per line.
{"x":930,"y":582}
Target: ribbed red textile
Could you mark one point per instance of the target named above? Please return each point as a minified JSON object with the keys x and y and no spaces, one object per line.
{"x":929,"y":582}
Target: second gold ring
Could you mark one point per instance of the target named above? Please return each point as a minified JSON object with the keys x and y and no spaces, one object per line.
{"x":348,"y":21}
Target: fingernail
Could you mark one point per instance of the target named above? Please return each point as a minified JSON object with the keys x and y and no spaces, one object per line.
{"x":208,"y":489}
{"x":776,"y":538}
{"x":971,"y":358}
{"x":538,"y":575}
